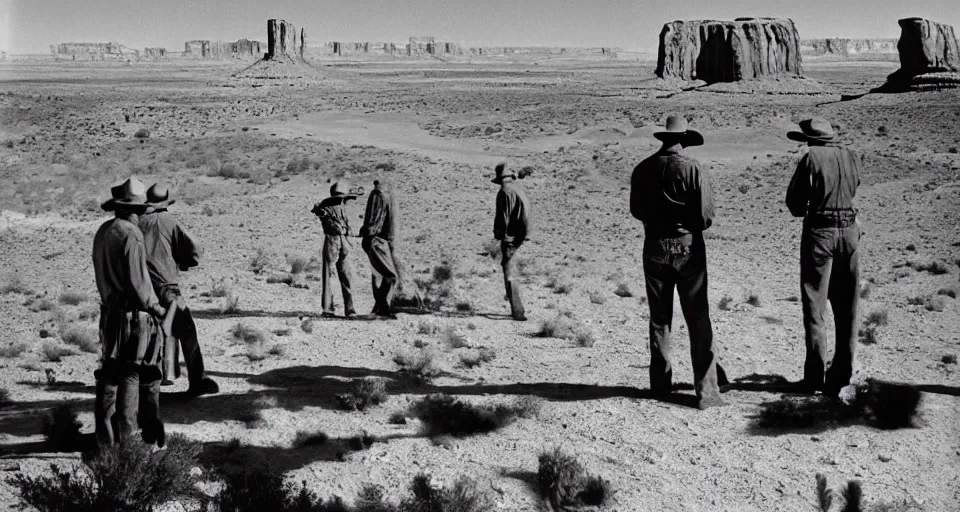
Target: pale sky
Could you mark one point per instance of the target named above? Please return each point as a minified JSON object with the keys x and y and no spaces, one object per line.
{"x":31,"y":26}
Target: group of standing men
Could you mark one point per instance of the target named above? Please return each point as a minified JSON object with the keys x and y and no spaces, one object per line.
{"x":138,"y":255}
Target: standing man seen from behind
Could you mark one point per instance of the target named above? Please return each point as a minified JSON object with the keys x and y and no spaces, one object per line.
{"x":336,"y":249}
{"x":379,"y":228}
{"x":130,"y":324}
{"x":822,"y":191}
{"x":671,"y":195}
{"x":170,"y":250}
{"x":511,"y":226}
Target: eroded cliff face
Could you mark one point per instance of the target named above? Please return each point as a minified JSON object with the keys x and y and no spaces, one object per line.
{"x":728,"y":51}
{"x":281,"y":41}
{"x":883,"y":49}
{"x":929,"y":56}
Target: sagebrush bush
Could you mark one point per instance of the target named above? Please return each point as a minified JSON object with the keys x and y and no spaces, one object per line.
{"x":231,"y":303}
{"x":933,"y":267}
{"x":563,"y":483}
{"x":368,"y":392}
{"x":475,"y":358}
{"x":868,"y":335}
{"x":54,"y":353}
{"x":725,"y":302}
{"x":753,"y":300}
{"x":304,"y":438}
{"x":219,"y":288}
{"x":427,"y":327}
{"x":564,"y":327}
{"x":937,"y":304}
{"x":446,"y":415}
{"x":949,"y":359}
{"x":877,"y":318}
{"x":14,"y":284}
{"x":419,"y":364}
{"x":83,"y":337}
{"x":72,"y":298}
{"x":14,"y":349}
{"x":453,"y":338}
{"x":298,"y":263}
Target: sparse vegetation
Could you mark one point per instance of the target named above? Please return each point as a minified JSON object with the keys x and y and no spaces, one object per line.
{"x":14,"y":349}
{"x":933,"y":267}
{"x":427,"y":327}
{"x":72,"y":298}
{"x":868,"y":335}
{"x":231,"y":304}
{"x":949,"y":359}
{"x":453,"y":338}
{"x":564,"y":327}
{"x":477,"y":357}
{"x":43,"y":305}
{"x":219,"y":288}
{"x":298,"y":263}
{"x":129,"y":477}
{"x":753,"y":300}
{"x":83,"y":337}
{"x":492,"y":249}
{"x":14,"y":284}
{"x":446,"y":415}
{"x":260,"y":261}
{"x":251,"y":418}
{"x":937,"y":304}
{"x":419,"y":364}
{"x":367,"y":393}
{"x":563,"y":483}
{"x":877,"y":318}
{"x":142,"y":133}
{"x":54,"y":353}
{"x":725,"y":302}
{"x":951,"y":291}
{"x":304,"y":438}
{"x":307,"y":326}
{"x":916,"y":301}
{"x":597,"y":298}
{"x":464,"y":306}
{"x":623,"y":290}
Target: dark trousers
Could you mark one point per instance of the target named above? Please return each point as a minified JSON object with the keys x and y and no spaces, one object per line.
{"x":336,"y":249}
{"x":829,"y":271}
{"x":508,"y":260}
{"x":183,"y":333}
{"x":125,"y":393}
{"x":679,"y":263}
{"x":380,"y":252}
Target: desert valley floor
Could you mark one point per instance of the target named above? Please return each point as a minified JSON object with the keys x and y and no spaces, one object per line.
{"x":248,"y":157}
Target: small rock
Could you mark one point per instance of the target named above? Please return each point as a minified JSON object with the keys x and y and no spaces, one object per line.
{"x":884,"y":457}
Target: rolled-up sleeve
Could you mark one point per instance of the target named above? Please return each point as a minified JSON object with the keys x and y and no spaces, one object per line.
{"x":798,"y":192}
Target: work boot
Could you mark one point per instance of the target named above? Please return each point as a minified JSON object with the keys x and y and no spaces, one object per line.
{"x":206,"y":386}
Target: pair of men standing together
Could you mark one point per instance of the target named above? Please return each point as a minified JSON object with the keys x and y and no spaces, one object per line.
{"x":377,"y":241}
{"x":673,"y":198}
{"x":137,"y":259}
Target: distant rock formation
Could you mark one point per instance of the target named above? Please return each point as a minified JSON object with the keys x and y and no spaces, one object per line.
{"x":929,"y":55}
{"x":281,"y":41}
{"x":850,"y":49}
{"x":303,"y":41}
{"x":728,"y":51}
{"x":155,"y":53}
{"x":93,"y":51}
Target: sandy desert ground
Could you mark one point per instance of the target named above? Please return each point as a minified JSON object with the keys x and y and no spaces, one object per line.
{"x":247,"y":158}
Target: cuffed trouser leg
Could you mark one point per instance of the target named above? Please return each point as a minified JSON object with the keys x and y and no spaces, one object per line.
{"x":692,"y":288}
{"x":660,"y":282}
{"x":845,"y":300}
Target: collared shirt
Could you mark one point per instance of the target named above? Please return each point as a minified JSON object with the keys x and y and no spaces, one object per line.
{"x":511,"y":223}
{"x":826,"y":179}
{"x":120,"y":266}
{"x":334,"y":220}
{"x":671,"y":195}
{"x":169,"y":248}
{"x":380,"y":217}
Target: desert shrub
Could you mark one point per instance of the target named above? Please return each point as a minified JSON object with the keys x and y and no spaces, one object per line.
{"x":427,"y":327}
{"x":933,"y":267}
{"x":463,"y":496}
{"x":61,"y":428}
{"x":564,"y":484}
{"x":623,"y":290}
{"x":563,"y":327}
{"x":85,"y":338}
{"x":916,"y":301}
{"x":562,"y":287}
{"x":254,"y":487}
{"x":298,"y":263}
{"x":219,"y":288}
{"x":231,"y":304}
{"x":753,"y":300}
{"x":597,"y":298}
{"x":367,"y":392}
{"x":307,"y":326}
{"x":824,"y":494}
{"x":14,"y":284}
{"x":464,"y":306}
{"x":868,"y":335}
{"x":442,"y":273}
{"x":949,"y":291}
{"x":949,"y":359}
{"x":853,"y":497}
{"x":142,"y":133}
{"x":278,"y":350}
{"x":935,"y":304}
{"x":251,"y":418}
{"x":304,"y":438}
{"x":446,"y":415}
{"x":54,"y":353}
{"x":877,"y":318}
{"x":89,"y":313}
{"x":492,"y":249}
{"x":43,"y":305}
{"x":475,"y":358}
{"x":419,"y":364}
{"x":453,"y":338}
{"x":72,"y":298}
{"x":130,"y":477}
{"x":889,"y":406}
{"x":866,"y":290}
{"x":725,"y":302}
{"x":260,"y":261}
{"x":14,"y":349}
{"x":743,"y":188}
{"x":286,"y":279}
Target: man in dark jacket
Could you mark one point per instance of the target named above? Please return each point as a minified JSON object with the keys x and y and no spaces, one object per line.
{"x":336,"y":249}
{"x":511,"y":226}
{"x":170,"y":249}
{"x":130,"y":324}
{"x":822,"y":192}
{"x":672,"y":196}
{"x":379,"y":228}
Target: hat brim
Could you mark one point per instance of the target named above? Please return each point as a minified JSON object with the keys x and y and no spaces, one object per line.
{"x":162,"y":205}
{"x":337,"y":199}
{"x":803,"y":137}
{"x":122,"y":204}
{"x":499,"y":179}
{"x":688,"y":138}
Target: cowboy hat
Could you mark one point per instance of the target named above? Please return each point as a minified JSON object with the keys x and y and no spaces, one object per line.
{"x":337,"y":195}
{"x":159,"y":196}
{"x":816,"y":129}
{"x":502,"y":172}
{"x":130,"y":195}
{"x":676,"y":132}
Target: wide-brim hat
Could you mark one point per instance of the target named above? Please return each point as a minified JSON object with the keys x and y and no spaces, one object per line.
{"x":501,"y":172}
{"x":676,"y":132}
{"x":158,"y":196}
{"x":131,"y":194}
{"x":815,"y":129}
{"x":337,"y":195}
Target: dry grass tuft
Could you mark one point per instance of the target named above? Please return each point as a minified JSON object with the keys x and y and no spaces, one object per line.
{"x":754,"y":300}
{"x":298,"y":263}
{"x":427,"y":327}
{"x":564,"y":484}
{"x":477,"y":357}
{"x":231,"y":304}
{"x":54,"y":353}
{"x":83,"y":337}
{"x":304,"y":438}
{"x":453,"y":338}
{"x":933,"y":267}
{"x":14,"y":284}
{"x":937,"y":304}
{"x":564,"y":327}
{"x":419,"y":364}
{"x":72,"y":298}
{"x":949,"y":359}
{"x":14,"y":349}
{"x":725,"y":302}
{"x":368,"y":392}
{"x":444,"y":415}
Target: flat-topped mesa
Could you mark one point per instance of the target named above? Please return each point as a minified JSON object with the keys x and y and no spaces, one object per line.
{"x":281,"y":41}
{"x":854,"y":49}
{"x":729,"y":51}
